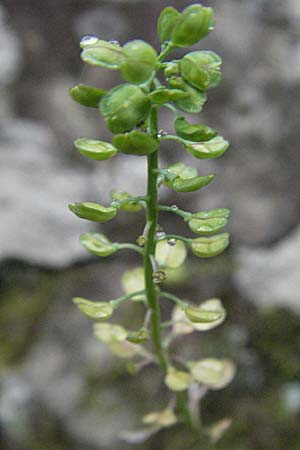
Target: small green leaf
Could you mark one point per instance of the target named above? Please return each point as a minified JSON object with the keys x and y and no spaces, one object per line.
{"x":138,"y":337}
{"x":163,"y":95}
{"x":133,"y":281}
{"x":97,"y":150}
{"x":139,"y":61}
{"x":93,"y":211}
{"x":135,"y":143}
{"x":193,"y":132}
{"x":206,"y":247}
{"x":170,"y":256}
{"x":124,"y":107}
{"x":191,"y":184}
{"x":208,"y":150}
{"x":194,"y":99}
{"x":166,"y":23}
{"x":98,"y":244}
{"x":209,"y":222}
{"x":194,"y":24}
{"x":213,"y":373}
{"x":110,"y":333}
{"x":103,"y":54}
{"x":178,"y":380}
{"x":87,"y":95}
{"x":201,"y":69}
{"x":94,"y":310}
{"x":126,"y":206}
{"x":164,"y":418}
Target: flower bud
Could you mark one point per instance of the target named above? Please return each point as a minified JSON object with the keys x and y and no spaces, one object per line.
{"x":201,"y":69}
{"x":97,"y":150}
{"x":123,"y":107}
{"x":98,"y":244}
{"x":193,"y":132}
{"x":93,"y":211}
{"x":139,"y":61}
{"x":87,"y":95}
{"x":166,"y":22}
{"x":135,"y":143}
{"x":94,"y":310}
{"x":194,"y":24}
{"x":208,"y":150}
{"x":209,"y":222}
{"x":206,"y":247}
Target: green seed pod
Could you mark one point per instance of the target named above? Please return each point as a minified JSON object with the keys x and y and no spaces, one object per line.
{"x":102,"y":54}
{"x":170,"y":256}
{"x":179,"y":170}
{"x":164,"y":418}
{"x":209,"y":222}
{"x":206,"y":316}
{"x":166,"y":22}
{"x":171,"y":69}
{"x":194,"y":24}
{"x":126,"y":206}
{"x":135,"y":143}
{"x":178,"y":380}
{"x":125,"y":349}
{"x":138,"y":337}
{"x":110,"y":333}
{"x":201,"y":69}
{"x":208,"y":150}
{"x":193,"y":132}
{"x":97,"y":150}
{"x":133,"y":281}
{"x":86,"y":95}
{"x":93,"y":211}
{"x":191,"y":184}
{"x":98,"y":244}
{"x":213,"y":373}
{"x":194,"y":99}
{"x":139,"y":61}
{"x":207,"y":247}
{"x":123,"y":107}
{"x":94,"y":310}
{"x":163,"y":95}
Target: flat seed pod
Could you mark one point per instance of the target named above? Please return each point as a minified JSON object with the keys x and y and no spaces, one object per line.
{"x":103,"y":54}
{"x":194,"y":24}
{"x":193,"y":132}
{"x":194,"y":99}
{"x":110,"y":333}
{"x":213,"y":373}
{"x":93,"y":211}
{"x":166,"y":23}
{"x":97,"y":150}
{"x":126,"y":206}
{"x":206,"y":316}
{"x":94,"y":310}
{"x":191,"y":184}
{"x":199,"y":315}
{"x":164,"y":418}
{"x":201,"y":69}
{"x":124,"y":349}
{"x":139,"y":61}
{"x":209,"y":222}
{"x":178,"y":380}
{"x":133,"y":281}
{"x":206,"y":247}
{"x":182,"y":171}
{"x":208,"y":150}
{"x":123,"y":107}
{"x":86,"y":95}
{"x":163,"y":95}
{"x":98,"y":244}
{"x":135,"y":143}
{"x":138,"y":337}
{"x":170,"y":256}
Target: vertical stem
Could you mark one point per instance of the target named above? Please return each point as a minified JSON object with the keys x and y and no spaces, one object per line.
{"x":151,"y":217}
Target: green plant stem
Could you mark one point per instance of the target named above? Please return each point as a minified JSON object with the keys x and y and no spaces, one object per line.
{"x":117,"y":301}
{"x":174,"y":298}
{"x":133,"y":247}
{"x":149,"y":250}
{"x":185,"y":215}
{"x":183,"y":410}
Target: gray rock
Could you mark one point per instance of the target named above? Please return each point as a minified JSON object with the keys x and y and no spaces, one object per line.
{"x":270,"y":277}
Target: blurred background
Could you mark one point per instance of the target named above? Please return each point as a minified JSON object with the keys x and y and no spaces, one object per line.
{"x":60,"y":389}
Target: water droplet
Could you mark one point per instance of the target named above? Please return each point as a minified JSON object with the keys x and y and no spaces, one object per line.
{"x":174,"y":207}
{"x":161,"y":133}
{"x":160,"y":234}
{"x":114,"y":42}
{"x":86,"y":41}
{"x":172,"y":242}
